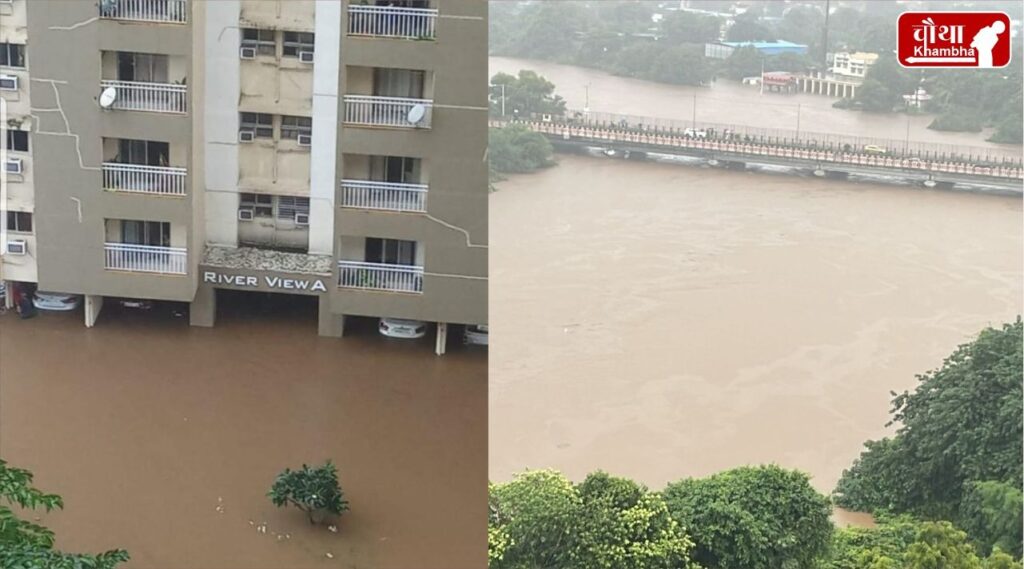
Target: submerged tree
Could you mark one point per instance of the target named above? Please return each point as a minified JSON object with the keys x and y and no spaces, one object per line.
{"x":25,"y":545}
{"x":313,"y":490}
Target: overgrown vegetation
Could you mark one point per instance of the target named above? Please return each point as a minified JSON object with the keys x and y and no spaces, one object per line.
{"x":516,"y":149}
{"x":26,"y":545}
{"x":957,"y":453}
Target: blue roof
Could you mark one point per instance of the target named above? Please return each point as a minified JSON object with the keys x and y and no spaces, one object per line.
{"x":764,"y":44}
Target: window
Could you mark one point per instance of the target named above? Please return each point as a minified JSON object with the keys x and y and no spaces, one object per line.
{"x":288,"y":206}
{"x":17,"y":140}
{"x":12,"y":55}
{"x":20,"y":221}
{"x":151,"y":233}
{"x":143,"y":152}
{"x":262,"y":205}
{"x":390,"y":251}
{"x":262,"y":40}
{"x":294,"y":42}
{"x":292,"y":127}
{"x":260,"y":123}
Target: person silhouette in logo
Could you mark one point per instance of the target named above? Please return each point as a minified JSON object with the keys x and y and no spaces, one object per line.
{"x":985,"y":40}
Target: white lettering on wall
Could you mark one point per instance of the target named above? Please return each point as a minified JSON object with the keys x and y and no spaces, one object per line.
{"x":312,"y":285}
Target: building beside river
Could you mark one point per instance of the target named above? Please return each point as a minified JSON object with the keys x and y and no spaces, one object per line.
{"x":168,"y":149}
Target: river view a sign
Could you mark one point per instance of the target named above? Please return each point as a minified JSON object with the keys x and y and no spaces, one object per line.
{"x":269,"y":282}
{"x":953,"y":39}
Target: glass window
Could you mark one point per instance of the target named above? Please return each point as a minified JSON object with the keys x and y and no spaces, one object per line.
{"x":294,"y":42}
{"x":20,"y":221}
{"x":12,"y":55}
{"x":260,"y":123}
{"x":262,"y":40}
{"x":288,"y":206}
{"x":261,"y":204}
{"x":17,"y":140}
{"x":292,"y":127}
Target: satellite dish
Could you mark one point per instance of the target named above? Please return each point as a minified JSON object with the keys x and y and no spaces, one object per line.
{"x":416,"y":114}
{"x":107,"y":97}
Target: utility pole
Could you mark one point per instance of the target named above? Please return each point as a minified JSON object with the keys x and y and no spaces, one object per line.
{"x":824,"y":40}
{"x":586,"y":104}
{"x":798,"y":121}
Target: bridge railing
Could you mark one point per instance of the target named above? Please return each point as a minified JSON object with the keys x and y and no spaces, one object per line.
{"x":991,"y":156}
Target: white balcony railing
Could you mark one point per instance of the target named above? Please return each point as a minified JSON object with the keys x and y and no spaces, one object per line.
{"x":144,"y":179}
{"x":169,"y":11}
{"x":145,"y":258}
{"x":156,"y":97}
{"x":386,"y":111}
{"x":392,"y":22}
{"x":366,"y":194}
{"x":380,"y":276}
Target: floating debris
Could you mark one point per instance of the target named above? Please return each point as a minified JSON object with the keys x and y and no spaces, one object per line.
{"x":329,"y":555}
{"x":332,"y":529}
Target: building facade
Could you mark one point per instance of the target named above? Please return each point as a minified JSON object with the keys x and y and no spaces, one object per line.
{"x":332,"y":148}
{"x":852,"y":64}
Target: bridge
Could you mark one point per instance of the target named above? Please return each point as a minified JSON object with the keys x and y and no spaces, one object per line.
{"x":825,"y":154}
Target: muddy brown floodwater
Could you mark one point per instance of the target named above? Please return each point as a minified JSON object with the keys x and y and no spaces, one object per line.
{"x":659,"y":321}
{"x":145,"y":425}
{"x":729,"y":102}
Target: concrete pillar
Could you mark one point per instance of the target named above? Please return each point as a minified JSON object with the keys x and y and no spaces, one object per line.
{"x":203,"y":310}
{"x":9,"y":296}
{"x":329,"y":324}
{"x":93,"y":306}
{"x":442,"y":338}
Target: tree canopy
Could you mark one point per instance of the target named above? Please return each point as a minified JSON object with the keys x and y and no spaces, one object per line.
{"x":524,"y":95}
{"x":517,"y":149}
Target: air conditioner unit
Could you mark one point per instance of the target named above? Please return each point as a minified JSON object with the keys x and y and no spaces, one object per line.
{"x":246,"y":214}
{"x":247,"y":53}
{"x":13,"y":166}
{"x":17,"y":247}
{"x":8,"y":82}
{"x":306,"y":56}
{"x":305,"y":139}
{"x":246,"y":135}
{"x":301,"y":219}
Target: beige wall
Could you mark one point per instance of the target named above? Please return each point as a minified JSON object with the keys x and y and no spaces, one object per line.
{"x":293,"y":15}
{"x":276,"y":86}
{"x":276,"y":167}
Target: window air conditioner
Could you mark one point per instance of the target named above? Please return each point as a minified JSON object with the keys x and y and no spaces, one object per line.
{"x":8,"y":82}
{"x":305,"y":139}
{"x":306,"y":56}
{"x":301,"y":219}
{"x":246,"y":135}
{"x":246,"y":214}
{"x":13,"y":166}
{"x":17,"y":247}
{"x":247,"y":53}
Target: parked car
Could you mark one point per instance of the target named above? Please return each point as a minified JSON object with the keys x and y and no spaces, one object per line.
{"x":399,"y":328}
{"x":695,"y":133}
{"x":475,"y":335}
{"x":873,"y":149}
{"x":56,"y":301}
{"x":136,"y":303}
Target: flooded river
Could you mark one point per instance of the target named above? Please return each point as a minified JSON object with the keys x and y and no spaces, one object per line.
{"x":661,"y":321}
{"x":728,"y":102}
{"x":145,"y":426}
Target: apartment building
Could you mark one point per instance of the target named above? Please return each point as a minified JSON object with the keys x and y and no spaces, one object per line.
{"x":170,"y":149}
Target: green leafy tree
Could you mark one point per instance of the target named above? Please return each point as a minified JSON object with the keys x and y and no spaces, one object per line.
{"x":962,"y":424}
{"x":939,"y":545}
{"x":748,"y":27}
{"x":761,"y":517}
{"x":1001,"y":560}
{"x":689,"y":27}
{"x":743,"y":62}
{"x":517,"y":149}
{"x":525,"y":95}
{"x":25,"y":545}
{"x":535,"y":515}
{"x":991,"y":514}
{"x":313,"y":490}
{"x":879,"y":547}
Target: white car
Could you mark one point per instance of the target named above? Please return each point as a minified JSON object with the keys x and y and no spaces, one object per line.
{"x":56,"y":301}
{"x":399,"y":328}
{"x":475,"y":335}
{"x":695,"y":133}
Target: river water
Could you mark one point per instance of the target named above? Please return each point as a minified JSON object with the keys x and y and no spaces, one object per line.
{"x":729,"y":102}
{"x":164,"y":439}
{"x":660,"y":321}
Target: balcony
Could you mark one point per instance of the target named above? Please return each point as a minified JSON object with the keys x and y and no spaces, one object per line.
{"x":145,"y":259}
{"x":159,"y":11}
{"x":159,"y":180}
{"x":371,"y":110}
{"x":392,"y":22}
{"x":153,"y":97}
{"x":380,"y":276}
{"x":387,"y":196}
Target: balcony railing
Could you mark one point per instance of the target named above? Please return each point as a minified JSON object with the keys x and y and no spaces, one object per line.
{"x":365,"y":194}
{"x":144,"y":179}
{"x":156,"y":97}
{"x":386,"y":111}
{"x":165,"y":11}
{"x":145,"y":258}
{"x":380,"y":276}
{"x":392,"y":22}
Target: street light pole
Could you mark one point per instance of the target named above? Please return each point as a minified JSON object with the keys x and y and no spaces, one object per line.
{"x":586,"y":104}
{"x":798,"y":121}
{"x":502,"y":100}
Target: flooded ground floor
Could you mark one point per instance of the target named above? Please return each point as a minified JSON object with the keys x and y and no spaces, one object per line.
{"x":146,"y":425}
{"x":681,"y":321}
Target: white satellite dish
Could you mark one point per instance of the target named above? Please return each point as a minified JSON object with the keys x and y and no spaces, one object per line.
{"x":107,"y":97}
{"x":416,"y":114}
